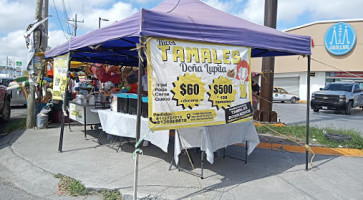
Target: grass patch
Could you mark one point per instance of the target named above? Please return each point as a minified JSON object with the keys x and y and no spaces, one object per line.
{"x":298,"y":133}
{"x":73,"y":187}
{"x":111,"y":195}
{"x":13,"y":125}
{"x":70,"y":186}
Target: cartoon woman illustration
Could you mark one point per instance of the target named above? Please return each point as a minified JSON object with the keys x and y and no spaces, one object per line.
{"x":243,"y":73}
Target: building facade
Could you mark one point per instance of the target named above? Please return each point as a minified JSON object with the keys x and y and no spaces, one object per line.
{"x":337,"y":55}
{"x":11,"y":67}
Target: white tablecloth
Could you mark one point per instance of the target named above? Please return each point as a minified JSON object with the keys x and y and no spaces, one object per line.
{"x":124,"y":125}
{"x":212,"y":138}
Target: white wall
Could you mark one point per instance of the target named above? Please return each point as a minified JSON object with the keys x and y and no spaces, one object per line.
{"x":316,"y":83}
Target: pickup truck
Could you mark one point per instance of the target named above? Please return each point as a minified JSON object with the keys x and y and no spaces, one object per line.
{"x":5,"y":99}
{"x":338,"y":96}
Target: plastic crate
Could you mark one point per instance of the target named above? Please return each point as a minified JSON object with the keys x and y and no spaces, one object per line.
{"x":145,"y":107}
{"x":122,"y":103}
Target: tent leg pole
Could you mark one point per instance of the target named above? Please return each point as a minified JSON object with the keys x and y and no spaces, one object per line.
{"x":60,"y":147}
{"x":138,"y":112}
{"x":307,"y":113}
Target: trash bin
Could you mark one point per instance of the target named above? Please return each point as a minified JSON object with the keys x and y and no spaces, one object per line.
{"x":42,"y":120}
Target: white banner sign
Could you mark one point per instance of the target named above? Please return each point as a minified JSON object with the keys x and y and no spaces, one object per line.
{"x":197,"y":84}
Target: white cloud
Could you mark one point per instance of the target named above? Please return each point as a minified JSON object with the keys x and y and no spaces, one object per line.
{"x":13,"y":44}
{"x":290,"y":11}
{"x":15,"y":15}
{"x":117,"y":12}
{"x":253,"y":11}
{"x":56,"y":38}
{"x":223,"y":6}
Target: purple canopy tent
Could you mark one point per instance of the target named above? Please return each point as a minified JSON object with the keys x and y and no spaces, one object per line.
{"x":180,"y":19}
{"x":186,"y":20}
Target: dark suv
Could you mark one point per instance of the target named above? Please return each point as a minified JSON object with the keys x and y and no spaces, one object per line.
{"x":5,"y":99}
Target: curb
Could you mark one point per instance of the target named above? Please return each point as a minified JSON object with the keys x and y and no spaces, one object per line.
{"x":277,"y":124}
{"x":317,"y":150}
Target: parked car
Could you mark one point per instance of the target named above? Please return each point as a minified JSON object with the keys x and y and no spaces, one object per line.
{"x":280,"y":94}
{"x":338,"y":96}
{"x":17,"y":96}
{"x":5,"y":99}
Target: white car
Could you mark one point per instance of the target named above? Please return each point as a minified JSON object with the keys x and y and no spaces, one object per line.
{"x":17,"y":96}
{"x":280,"y":94}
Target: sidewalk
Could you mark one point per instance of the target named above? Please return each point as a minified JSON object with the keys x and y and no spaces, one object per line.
{"x":32,"y":159}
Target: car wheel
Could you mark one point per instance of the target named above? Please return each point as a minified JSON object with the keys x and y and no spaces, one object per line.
{"x":293,"y":100}
{"x":6,"y":111}
{"x":316,"y":110}
{"x":348,"y":108}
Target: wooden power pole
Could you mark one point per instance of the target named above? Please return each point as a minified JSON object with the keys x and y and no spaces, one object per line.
{"x":268,"y":65}
{"x":30,"y":118}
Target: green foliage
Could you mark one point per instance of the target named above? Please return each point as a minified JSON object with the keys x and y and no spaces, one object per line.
{"x":298,"y":133}
{"x":12,"y":125}
{"x":71,"y":186}
{"x":111,"y":195}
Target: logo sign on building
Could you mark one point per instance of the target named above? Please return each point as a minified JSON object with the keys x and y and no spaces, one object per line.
{"x":340,"y":39}
{"x":197,"y":84}
{"x":60,"y":76}
{"x":19,"y":63}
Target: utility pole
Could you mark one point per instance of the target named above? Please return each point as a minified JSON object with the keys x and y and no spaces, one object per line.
{"x":44,"y":44}
{"x":99,"y":21}
{"x":268,"y":65}
{"x":30,"y":118}
{"x":75,"y":24}
{"x":7,"y":66}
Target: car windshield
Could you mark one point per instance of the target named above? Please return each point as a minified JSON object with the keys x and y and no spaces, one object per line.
{"x":339,"y":87}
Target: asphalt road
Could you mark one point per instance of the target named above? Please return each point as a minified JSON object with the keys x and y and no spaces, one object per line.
{"x":18,"y":112}
{"x":296,"y":114}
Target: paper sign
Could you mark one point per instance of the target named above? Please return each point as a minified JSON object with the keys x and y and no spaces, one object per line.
{"x":197,"y":84}
{"x":60,"y":76}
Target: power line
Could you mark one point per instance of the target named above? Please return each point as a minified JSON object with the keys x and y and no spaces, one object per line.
{"x":66,"y":14}
{"x":60,"y":22}
{"x":70,"y":8}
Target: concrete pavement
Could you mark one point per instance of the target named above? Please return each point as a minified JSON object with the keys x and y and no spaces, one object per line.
{"x":29,"y":159}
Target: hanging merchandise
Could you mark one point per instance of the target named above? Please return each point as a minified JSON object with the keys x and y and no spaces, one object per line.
{"x":50,"y":68}
{"x":133,"y":88}
{"x":115,"y":78}
{"x":102,"y":75}
{"x":131,"y":79}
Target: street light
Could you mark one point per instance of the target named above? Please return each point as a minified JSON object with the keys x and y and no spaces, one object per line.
{"x":101,"y":19}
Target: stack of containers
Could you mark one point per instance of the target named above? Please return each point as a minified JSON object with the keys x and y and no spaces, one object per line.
{"x":145,"y":106}
{"x":127,"y":103}
{"x":123,"y":103}
{"x":132,"y":104}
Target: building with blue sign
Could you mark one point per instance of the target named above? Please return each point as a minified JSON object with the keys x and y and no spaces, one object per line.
{"x":337,"y":55}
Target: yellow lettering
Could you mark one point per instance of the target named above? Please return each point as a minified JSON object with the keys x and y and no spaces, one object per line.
{"x":192,"y":53}
{"x":164,"y":52}
{"x":178,"y":52}
{"x":226,"y":56}
{"x":205,"y":55}
{"x":215,"y":57}
{"x":236,"y":57}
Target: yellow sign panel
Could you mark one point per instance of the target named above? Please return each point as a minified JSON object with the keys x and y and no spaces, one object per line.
{"x":196,"y":84}
{"x":60,"y":76}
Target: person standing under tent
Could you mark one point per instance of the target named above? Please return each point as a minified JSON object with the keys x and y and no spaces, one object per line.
{"x":255,"y":94}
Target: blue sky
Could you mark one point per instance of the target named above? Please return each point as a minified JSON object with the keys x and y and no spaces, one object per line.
{"x":15,"y":15}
